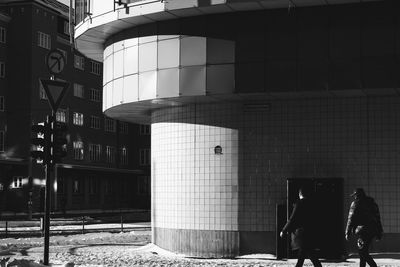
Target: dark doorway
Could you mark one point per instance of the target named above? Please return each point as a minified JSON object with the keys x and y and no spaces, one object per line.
{"x":328,"y":197}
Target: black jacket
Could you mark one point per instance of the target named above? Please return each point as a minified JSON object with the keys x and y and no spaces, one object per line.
{"x":301,"y":225}
{"x":364,"y":215}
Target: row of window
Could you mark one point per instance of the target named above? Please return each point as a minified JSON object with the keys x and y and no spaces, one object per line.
{"x":79,"y":91}
{"x":143,"y":185}
{"x":95,"y":153}
{"x":78,"y":184}
{"x":94,"y":94}
{"x":44,"y":41}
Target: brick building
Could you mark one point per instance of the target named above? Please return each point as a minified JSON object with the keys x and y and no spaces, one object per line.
{"x":107,"y":166}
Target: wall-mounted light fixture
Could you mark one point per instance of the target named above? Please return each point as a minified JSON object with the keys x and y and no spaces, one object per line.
{"x":218,"y":150}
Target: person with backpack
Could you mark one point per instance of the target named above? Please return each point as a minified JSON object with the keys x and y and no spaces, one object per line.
{"x":364,"y":221}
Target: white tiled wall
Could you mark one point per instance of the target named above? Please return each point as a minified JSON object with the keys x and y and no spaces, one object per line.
{"x":192,"y":188}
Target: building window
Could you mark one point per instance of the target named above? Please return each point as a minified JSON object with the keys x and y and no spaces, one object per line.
{"x":95,"y":95}
{"x":2,"y":137}
{"x":144,"y":157}
{"x":144,"y":129}
{"x":93,"y":186}
{"x":110,"y":154}
{"x":95,"y":67}
{"x":143,"y":185}
{"x":78,"y":90}
{"x":3,"y":33}
{"x":17,"y":182}
{"x":77,"y":186}
{"x":94,"y":152}
{"x":108,"y":187}
{"x":77,"y":119}
{"x":79,"y":62}
{"x":2,"y":104}
{"x":2,"y":70}
{"x":61,"y":115}
{"x":61,"y":185}
{"x":94,"y":122}
{"x":124,"y":156}
{"x":78,"y":150}
{"x":66,"y":27}
{"x":44,"y":40}
{"x":123,"y":127}
{"x":109,"y":125}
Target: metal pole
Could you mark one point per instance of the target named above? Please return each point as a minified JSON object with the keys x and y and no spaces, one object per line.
{"x":47,"y":202}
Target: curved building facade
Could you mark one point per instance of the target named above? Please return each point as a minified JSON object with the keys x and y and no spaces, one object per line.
{"x":244,"y":95}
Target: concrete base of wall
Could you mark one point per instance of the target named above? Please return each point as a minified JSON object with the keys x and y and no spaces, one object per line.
{"x":257,"y":242}
{"x":198,"y":243}
{"x":229,"y":244}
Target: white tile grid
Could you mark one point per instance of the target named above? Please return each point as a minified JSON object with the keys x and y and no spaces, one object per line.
{"x":327,"y":138}
{"x":207,"y":206}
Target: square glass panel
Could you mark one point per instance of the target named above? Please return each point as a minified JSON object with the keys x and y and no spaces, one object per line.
{"x":147,"y":85}
{"x":117,"y":92}
{"x":220,"y":51}
{"x":193,"y":51}
{"x":118,"y":64}
{"x":147,"y":57}
{"x":192,"y":81}
{"x":220,"y":79}
{"x":168,"y":83}
{"x":131,"y":92}
{"x":168,"y":53}
{"x":131,"y":60}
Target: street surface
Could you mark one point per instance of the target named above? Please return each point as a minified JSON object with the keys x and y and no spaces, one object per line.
{"x":134,"y":249}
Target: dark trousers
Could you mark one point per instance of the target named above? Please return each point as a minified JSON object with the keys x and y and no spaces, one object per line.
{"x":363,"y":252}
{"x":307,"y":253}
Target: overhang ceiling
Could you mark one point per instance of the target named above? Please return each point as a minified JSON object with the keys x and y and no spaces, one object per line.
{"x":91,"y":34}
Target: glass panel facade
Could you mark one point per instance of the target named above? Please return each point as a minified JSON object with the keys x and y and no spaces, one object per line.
{"x":168,"y":53}
{"x":193,"y":51}
{"x":147,"y":85}
{"x":193,"y":81}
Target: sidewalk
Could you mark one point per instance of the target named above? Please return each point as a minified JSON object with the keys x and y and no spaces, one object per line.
{"x":134,"y":249}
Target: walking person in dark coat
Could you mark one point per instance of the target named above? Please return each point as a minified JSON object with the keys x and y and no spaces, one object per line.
{"x":301,"y":225}
{"x":365,"y":222}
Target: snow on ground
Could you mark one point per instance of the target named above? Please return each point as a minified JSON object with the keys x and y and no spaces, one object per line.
{"x":132,"y":249}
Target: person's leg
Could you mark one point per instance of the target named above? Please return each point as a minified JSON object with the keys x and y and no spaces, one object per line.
{"x":300,"y":257}
{"x":314,"y":259}
{"x":363,"y":251}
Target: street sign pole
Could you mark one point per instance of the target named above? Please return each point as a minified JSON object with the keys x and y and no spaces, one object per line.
{"x":47,"y":204}
{"x":55,"y":91}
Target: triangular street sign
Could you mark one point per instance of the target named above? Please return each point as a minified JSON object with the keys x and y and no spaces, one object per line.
{"x":55,"y":91}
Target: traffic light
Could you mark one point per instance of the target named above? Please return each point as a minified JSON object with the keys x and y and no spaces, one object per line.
{"x":58,"y":142}
{"x":40,"y":142}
